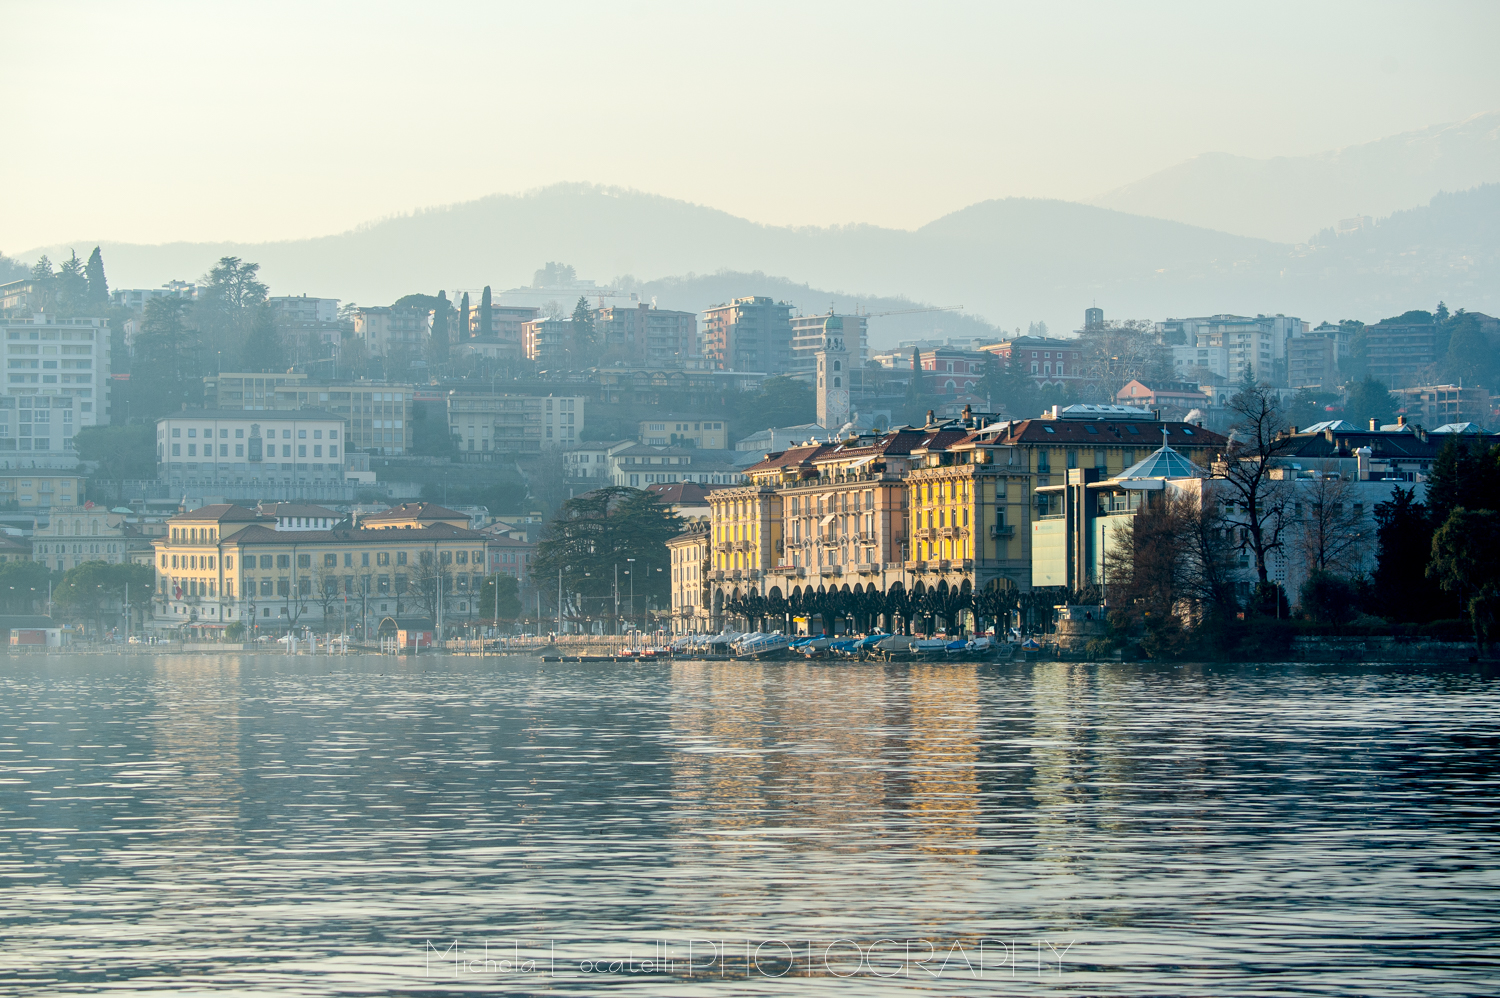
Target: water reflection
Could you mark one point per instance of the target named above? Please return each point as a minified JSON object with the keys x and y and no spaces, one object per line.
{"x":307,"y":826}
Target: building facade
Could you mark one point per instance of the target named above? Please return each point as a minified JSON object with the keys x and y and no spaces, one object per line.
{"x":197,"y":448}
{"x":669,"y":430}
{"x":751,"y":334}
{"x":810,"y":332}
{"x":59,"y":369}
{"x":41,"y":491}
{"x":500,"y":426}
{"x":548,"y":341}
{"x":222,"y":564}
{"x":691,"y":613}
{"x":1049,"y":361}
{"x":378,"y":415}
{"x":387,"y":330}
{"x":646,"y":334}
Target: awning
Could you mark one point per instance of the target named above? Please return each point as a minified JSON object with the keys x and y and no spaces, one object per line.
{"x":827,"y":520}
{"x":861,"y":462}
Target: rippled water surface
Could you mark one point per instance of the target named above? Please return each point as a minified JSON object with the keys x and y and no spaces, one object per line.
{"x":304,"y":826}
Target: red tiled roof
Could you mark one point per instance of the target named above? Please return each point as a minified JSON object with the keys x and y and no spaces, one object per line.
{"x":415,"y":511}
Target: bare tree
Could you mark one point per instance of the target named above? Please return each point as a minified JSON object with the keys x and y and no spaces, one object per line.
{"x":1333,"y":532}
{"x":1122,"y":352}
{"x":1179,"y":561}
{"x":1262,"y":503}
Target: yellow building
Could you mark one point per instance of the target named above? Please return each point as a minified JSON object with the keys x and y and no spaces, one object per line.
{"x":973,"y":500}
{"x":223,"y":564}
{"x":39,"y":488}
{"x":690,"y":601}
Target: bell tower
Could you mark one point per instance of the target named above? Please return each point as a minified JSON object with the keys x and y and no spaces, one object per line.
{"x":833,"y":376}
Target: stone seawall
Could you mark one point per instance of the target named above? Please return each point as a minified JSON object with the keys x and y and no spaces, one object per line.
{"x":1359,"y":648}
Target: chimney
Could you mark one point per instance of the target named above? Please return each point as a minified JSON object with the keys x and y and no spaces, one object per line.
{"x":1293,"y":431}
{"x":931,"y":417}
{"x":1400,"y":420}
{"x":1374,"y":425}
{"x":1057,"y":412}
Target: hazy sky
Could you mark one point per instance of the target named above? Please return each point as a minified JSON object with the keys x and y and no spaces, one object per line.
{"x":153,"y":122}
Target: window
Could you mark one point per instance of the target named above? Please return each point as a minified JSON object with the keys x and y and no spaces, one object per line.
{"x":283,"y":561}
{"x":330,"y":561}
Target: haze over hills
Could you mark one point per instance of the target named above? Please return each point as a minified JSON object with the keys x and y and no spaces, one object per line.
{"x":1288,"y":198}
{"x":1009,"y":261}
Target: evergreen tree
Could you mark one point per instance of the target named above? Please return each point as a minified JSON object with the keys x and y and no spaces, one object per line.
{"x":916,"y":397}
{"x":262,"y":350}
{"x":486,"y":313}
{"x":595,"y":533}
{"x":1403,"y":546}
{"x":229,"y":307}
{"x":1370,"y":399}
{"x":163,"y":376}
{"x":98,"y":286}
{"x":72,"y":287}
{"x":1466,"y":563}
{"x":585,"y":336}
{"x":42,"y":269}
{"x":1465,"y":475}
{"x":463,"y":318}
{"x":1470,"y":359}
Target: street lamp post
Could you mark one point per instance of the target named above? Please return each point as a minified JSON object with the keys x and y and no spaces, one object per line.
{"x":631,"y":562}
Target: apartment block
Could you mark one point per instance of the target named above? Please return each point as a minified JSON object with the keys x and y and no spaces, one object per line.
{"x":1400,"y":353}
{"x":809,"y":332}
{"x":648,"y":335}
{"x":547,"y":341}
{"x":671,"y":430}
{"x":749,"y":334}
{"x":378,"y":415}
{"x":1227,"y":345}
{"x":385,"y":329}
{"x":499,"y":426}
{"x":57,"y":379}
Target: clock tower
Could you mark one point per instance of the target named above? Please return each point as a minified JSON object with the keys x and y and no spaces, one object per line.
{"x":833,"y":376}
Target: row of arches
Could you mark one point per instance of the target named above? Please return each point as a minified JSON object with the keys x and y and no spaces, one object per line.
{"x":922,"y":609}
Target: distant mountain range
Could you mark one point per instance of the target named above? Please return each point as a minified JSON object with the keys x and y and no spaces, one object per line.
{"x":1009,"y":262}
{"x":1288,"y":198}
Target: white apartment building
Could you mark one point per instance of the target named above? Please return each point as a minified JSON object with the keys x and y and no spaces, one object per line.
{"x":135,"y":299}
{"x":302,"y":309}
{"x":384,"y":329}
{"x":485,"y":425}
{"x":1227,"y":344}
{"x":240,"y":447}
{"x":809,"y":333}
{"x":56,"y":380}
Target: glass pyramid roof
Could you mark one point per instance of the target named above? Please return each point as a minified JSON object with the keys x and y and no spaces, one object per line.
{"x":1163,"y":463}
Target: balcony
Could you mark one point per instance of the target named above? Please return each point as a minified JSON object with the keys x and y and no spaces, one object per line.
{"x":916,"y":566}
{"x":827,"y":570}
{"x":866,"y":569}
{"x":966,"y":565}
{"x":736,"y":574}
{"x":1002,"y":530}
{"x":944,"y":565}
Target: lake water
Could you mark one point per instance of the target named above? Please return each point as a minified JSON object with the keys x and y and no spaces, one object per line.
{"x":316,"y":826}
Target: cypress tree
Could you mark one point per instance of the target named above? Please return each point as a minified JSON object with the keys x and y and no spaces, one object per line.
{"x":98,"y":286}
{"x":485,"y":312}
{"x":463,"y":317}
{"x":440,"y":335}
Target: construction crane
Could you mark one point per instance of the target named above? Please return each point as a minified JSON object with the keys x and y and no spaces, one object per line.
{"x":908,"y":311}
